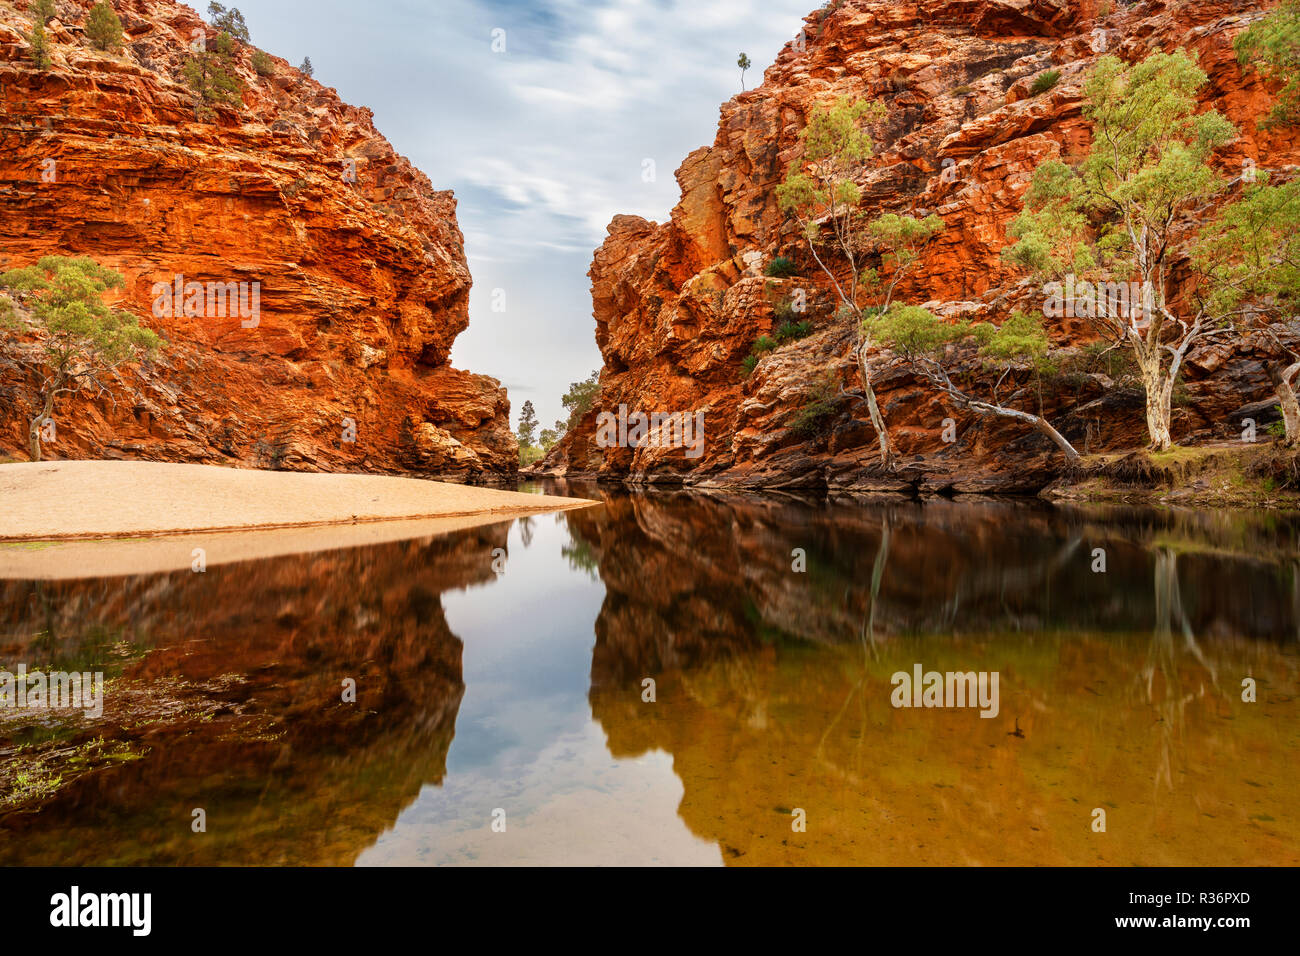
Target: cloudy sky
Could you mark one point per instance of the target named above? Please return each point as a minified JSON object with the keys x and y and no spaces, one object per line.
{"x":543,"y":142}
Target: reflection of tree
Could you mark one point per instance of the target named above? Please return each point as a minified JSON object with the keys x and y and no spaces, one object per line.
{"x":1169,"y":699}
{"x":526,"y":528}
{"x":581,"y":557}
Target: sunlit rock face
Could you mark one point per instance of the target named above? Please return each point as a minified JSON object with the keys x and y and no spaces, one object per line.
{"x":678,"y":304}
{"x":360,"y":264}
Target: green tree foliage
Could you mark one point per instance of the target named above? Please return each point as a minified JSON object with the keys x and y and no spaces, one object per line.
{"x":82,"y":341}
{"x":40,"y":49}
{"x":1014,"y":356}
{"x":229,"y":21}
{"x":580,"y":398}
{"x":744,"y":62}
{"x":1273,"y":46}
{"x":42,"y":11}
{"x":551,"y":436}
{"x":1118,"y":216}
{"x":822,"y":193}
{"x":103,"y":28}
{"x":527,"y":430}
{"x":210,"y":73}
{"x":305,"y":68}
{"x":1248,"y":260}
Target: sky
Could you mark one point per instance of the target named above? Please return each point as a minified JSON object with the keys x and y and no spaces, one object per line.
{"x":544,"y":117}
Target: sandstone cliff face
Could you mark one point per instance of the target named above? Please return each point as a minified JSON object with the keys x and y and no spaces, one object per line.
{"x":678,"y":305}
{"x":363,"y":284}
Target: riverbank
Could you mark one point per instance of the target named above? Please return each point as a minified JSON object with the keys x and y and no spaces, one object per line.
{"x":68,"y":500}
{"x":1222,"y":475}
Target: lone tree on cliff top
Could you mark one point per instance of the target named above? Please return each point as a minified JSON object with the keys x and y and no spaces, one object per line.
{"x":81,"y":341}
{"x":1119,"y":219}
{"x":822,"y":194}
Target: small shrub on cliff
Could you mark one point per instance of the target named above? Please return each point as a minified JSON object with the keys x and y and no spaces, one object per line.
{"x":40,"y":51}
{"x":814,"y":418}
{"x":1273,"y":46}
{"x":262,"y":63}
{"x":83,"y":342}
{"x":790,"y":331}
{"x":1045,"y":82}
{"x":305,"y":68}
{"x":103,"y":28}
{"x":781,"y":267}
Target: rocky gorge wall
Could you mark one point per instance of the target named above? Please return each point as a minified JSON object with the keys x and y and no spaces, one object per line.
{"x":678,"y":304}
{"x":361,"y":265}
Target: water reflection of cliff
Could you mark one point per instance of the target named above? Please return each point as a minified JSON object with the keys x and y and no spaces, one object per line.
{"x":238,"y":704}
{"x":773,"y":685}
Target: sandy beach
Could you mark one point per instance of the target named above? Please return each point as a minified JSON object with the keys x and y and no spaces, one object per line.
{"x":75,"y":505}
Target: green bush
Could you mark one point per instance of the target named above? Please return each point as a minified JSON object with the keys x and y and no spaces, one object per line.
{"x":781,"y":267}
{"x":790,"y":331}
{"x":814,"y":418}
{"x":103,"y":28}
{"x":749,"y":362}
{"x":262,"y":63}
{"x":1045,"y":82}
{"x":764,"y":343}
{"x":40,"y":51}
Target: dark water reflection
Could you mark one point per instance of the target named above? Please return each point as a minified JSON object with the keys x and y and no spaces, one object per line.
{"x":482,"y":695}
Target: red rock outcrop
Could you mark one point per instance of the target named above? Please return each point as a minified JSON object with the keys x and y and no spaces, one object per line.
{"x":678,"y":304}
{"x":363,"y":278}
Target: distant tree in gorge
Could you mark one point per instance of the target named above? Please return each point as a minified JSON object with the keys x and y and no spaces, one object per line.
{"x":40,"y":51}
{"x":527,"y":430}
{"x":103,"y":27}
{"x":82,"y":341}
{"x":229,"y":21}
{"x":580,"y":398}
{"x":1014,"y":355}
{"x":210,"y":73}
{"x":822,"y":194}
{"x":744,"y":63}
{"x":42,"y":10}
{"x":1273,"y":46}
{"x":550,"y":436}
{"x":1120,"y":219}
{"x":306,"y":68}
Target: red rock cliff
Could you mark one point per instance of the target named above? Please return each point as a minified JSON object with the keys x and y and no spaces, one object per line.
{"x":678,"y":305}
{"x":363,"y":285}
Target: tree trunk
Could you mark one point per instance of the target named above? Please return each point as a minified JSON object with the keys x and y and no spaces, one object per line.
{"x":1284,"y":383}
{"x":1040,"y":423}
{"x":887,"y":457}
{"x":1159,"y":400}
{"x":34,"y":429}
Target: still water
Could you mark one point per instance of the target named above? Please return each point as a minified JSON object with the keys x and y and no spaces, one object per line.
{"x":501,"y":713}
